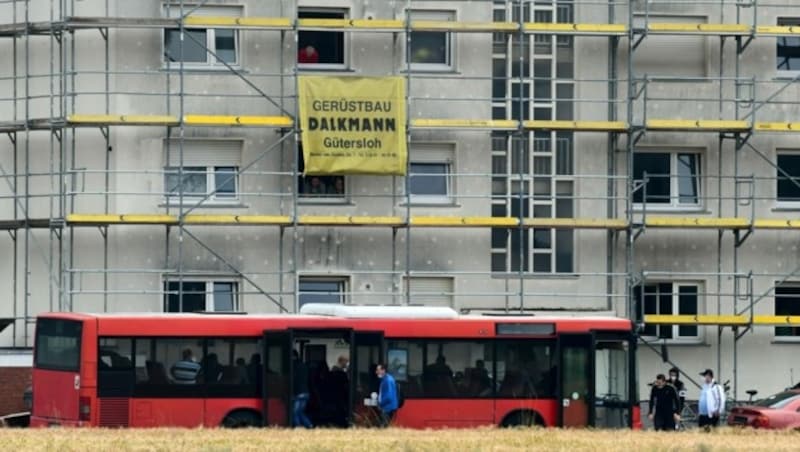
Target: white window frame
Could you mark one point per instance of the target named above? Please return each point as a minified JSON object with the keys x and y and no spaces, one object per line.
{"x":209,"y":294}
{"x":433,"y":153}
{"x":173,"y":198}
{"x":674,"y":203}
{"x":775,"y":336}
{"x":676,"y":337}
{"x":434,"y":15}
{"x":780,"y":204}
{"x":211,"y":62}
{"x":793,"y":21}
{"x":345,"y":64}
{"x":343,"y":280}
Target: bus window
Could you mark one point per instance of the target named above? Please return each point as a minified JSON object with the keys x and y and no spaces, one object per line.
{"x":525,"y":369}
{"x":174,"y":362}
{"x":58,"y":344}
{"x":458,"y":369}
{"x":115,"y":372}
{"x":612,"y":359}
{"x":232,"y":367}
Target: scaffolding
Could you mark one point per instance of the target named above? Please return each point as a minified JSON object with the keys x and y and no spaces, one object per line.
{"x":744,"y":109}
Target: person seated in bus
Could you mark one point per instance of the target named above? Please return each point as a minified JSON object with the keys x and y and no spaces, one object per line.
{"x":156,"y":374}
{"x":338,"y":386}
{"x":255,"y":369}
{"x":438,"y":379}
{"x":241,"y":372}
{"x":479,"y":381}
{"x":185,"y":371}
{"x":211,"y":369}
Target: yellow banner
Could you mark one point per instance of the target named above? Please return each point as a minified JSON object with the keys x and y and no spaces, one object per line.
{"x":353,"y":125}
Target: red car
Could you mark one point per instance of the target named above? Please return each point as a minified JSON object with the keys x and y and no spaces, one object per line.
{"x":778,"y":411}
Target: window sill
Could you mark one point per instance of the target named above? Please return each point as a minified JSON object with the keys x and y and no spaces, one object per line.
{"x":302,"y":69}
{"x":431,"y":71}
{"x":785,"y":76}
{"x":553,"y":276}
{"x":785,"y":340}
{"x":207,"y":205}
{"x":325,"y":202}
{"x":786,"y":207}
{"x":637,"y":208}
{"x":676,"y":342}
{"x":442,"y":204}
{"x":204,"y":69}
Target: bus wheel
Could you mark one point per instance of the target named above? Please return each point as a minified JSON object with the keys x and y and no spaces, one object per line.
{"x":242,"y":419}
{"x":523,"y":418}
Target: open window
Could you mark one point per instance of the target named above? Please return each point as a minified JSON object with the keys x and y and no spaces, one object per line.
{"x":673,"y":178}
{"x":787,"y":51}
{"x":431,"y":50}
{"x":318,"y":49}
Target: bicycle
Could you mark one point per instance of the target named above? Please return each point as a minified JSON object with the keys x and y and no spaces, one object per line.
{"x":731,"y":402}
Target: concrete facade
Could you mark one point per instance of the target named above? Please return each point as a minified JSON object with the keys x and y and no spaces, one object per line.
{"x":69,"y":270}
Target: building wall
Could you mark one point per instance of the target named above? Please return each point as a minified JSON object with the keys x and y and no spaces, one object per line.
{"x":142,"y":255}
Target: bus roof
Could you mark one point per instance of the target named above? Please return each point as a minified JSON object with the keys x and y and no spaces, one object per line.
{"x":198,"y":324}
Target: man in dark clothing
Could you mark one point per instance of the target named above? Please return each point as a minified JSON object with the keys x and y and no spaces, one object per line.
{"x":680,"y":388}
{"x":300,"y":393}
{"x":663,"y":405}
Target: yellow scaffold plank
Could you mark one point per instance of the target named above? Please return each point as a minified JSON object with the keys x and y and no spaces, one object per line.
{"x":697,"y":222}
{"x":700,"y":319}
{"x":264,"y":220}
{"x":776,"y":224}
{"x":715,"y":29}
{"x":778,"y":30}
{"x":586,"y":126}
{"x":356,"y":24}
{"x":276,"y":23}
{"x":224,"y":120}
{"x":576,"y":223}
{"x":701,"y":125}
{"x":777,"y":320}
{"x":777,"y":126}
{"x":443,"y":25}
{"x":571,"y":28}
{"x":101,"y":219}
{"x":731,"y":320}
{"x":100,"y":120}
{"x":433,"y":221}
{"x":341,"y":220}
{"x":486,"y":124}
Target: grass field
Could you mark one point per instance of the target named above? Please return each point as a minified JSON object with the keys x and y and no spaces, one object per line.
{"x":392,"y":440}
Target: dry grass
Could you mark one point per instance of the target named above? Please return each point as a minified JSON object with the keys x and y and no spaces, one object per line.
{"x":391,"y":440}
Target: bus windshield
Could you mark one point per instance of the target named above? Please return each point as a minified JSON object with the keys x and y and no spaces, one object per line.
{"x":58,"y":344}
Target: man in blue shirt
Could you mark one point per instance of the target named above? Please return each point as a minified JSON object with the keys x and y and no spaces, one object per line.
{"x":387,"y":395}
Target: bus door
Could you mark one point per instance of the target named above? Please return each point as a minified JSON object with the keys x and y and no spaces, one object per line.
{"x":366,"y":351}
{"x":575,"y":381}
{"x":277,"y":381}
{"x":614,"y":380}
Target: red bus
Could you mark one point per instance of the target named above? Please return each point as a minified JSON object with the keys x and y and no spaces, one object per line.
{"x":122,"y":370}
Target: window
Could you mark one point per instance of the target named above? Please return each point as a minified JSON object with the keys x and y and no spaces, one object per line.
{"x":431,"y":291}
{"x":673,"y":178}
{"x":787,"y":302}
{"x":442,"y":369}
{"x":169,"y":367}
{"x":687,"y":53}
{"x":197,"y":295}
{"x":668,"y":298}
{"x":321,"y":290}
{"x":232,"y":367}
{"x":319,"y":187}
{"x":525,"y":370}
{"x":201,"y":44}
{"x":321,"y":49}
{"x":58,"y":344}
{"x":210,"y":171}
{"x":788,"y":177}
{"x":430,"y":169}
{"x":788,"y":47}
{"x":431,"y":50}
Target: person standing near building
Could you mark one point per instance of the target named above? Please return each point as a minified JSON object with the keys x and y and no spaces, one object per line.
{"x":387,"y":395}
{"x":300,"y":393}
{"x":680,"y":388}
{"x":663,"y":405}
{"x":712,"y":401}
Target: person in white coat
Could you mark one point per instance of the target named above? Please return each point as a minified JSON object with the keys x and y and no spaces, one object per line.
{"x":712,"y":401}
